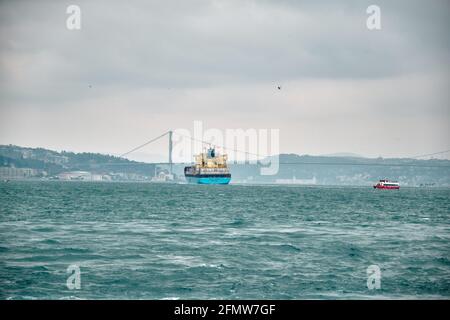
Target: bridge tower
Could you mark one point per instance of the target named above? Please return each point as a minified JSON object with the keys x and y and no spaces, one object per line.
{"x":170,"y":151}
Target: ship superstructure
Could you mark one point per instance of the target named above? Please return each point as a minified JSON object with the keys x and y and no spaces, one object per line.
{"x":209,"y":168}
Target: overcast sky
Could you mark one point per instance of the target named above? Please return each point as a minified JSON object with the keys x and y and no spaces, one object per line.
{"x":139,"y":68}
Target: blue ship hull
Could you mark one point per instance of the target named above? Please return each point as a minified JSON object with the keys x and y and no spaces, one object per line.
{"x":208,"y":180}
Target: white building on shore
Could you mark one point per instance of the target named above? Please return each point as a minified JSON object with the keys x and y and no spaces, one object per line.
{"x":294,"y":180}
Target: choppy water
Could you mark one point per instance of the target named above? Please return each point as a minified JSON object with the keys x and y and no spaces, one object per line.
{"x":149,"y":241}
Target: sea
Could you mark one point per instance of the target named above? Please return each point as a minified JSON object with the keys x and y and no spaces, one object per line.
{"x":97,"y":240}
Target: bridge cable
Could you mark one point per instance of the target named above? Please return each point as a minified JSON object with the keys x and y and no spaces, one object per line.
{"x":296,"y":162}
{"x":223,"y":147}
{"x":143,"y":145}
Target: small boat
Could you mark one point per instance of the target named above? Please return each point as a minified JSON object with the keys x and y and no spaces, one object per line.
{"x":386,"y":184}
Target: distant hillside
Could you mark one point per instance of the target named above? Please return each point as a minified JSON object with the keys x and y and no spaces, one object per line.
{"x":53,"y":162}
{"x":343,"y":154}
{"x":327,"y":170}
{"x":305,"y":169}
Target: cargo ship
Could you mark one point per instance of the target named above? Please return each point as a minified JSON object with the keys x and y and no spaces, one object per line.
{"x":209,"y":168}
{"x":386,"y":184}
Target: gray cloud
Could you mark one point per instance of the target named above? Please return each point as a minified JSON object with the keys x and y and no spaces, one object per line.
{"x":219,"y":61}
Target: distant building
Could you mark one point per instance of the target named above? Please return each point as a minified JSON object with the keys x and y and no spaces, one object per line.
{"x":20,"y":173}
{"x":75,"y":175}
{"x":294,"y":180}
{"x":163,"y":177}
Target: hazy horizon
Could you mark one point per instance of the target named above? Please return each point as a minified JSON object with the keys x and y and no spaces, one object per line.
{"x":159,"y":158}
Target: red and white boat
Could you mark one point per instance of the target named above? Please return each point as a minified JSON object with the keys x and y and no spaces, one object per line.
{"x":386,"y":184}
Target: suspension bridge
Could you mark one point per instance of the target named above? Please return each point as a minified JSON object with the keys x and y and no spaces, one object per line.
{"x":259,"y":157}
